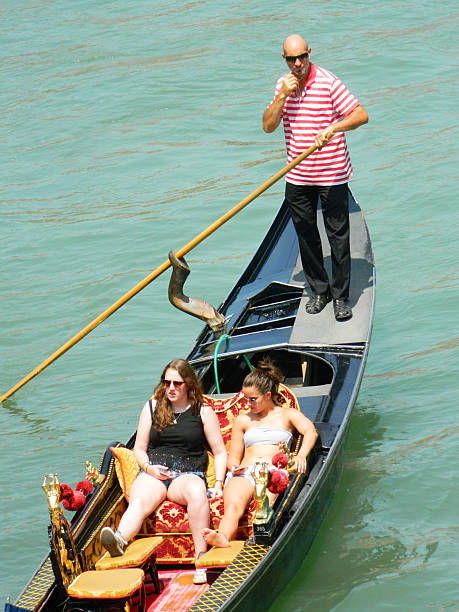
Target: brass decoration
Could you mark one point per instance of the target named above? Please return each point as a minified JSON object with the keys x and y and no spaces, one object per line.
{"x":193,"y":306}
{"x":53,"y":492}
{"x":92,"y":473}
{"x":61,"y":535}
{"x":260,"y":473}
{"x":65,"y":550}
{"x":291,"y":460}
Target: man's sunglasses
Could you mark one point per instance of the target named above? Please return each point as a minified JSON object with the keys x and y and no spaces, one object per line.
{"x":176,"y":383}
{"x":293,"y":58}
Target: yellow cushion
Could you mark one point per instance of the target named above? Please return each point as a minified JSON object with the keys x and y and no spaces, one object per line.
{"x":126,"y":468}
{"x":210,"y":474}
{"x":135,"y":554}
{"x":220,"y":557}
{"x":110,"y":584}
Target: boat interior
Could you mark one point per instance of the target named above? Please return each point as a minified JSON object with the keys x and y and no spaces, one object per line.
{"x":303,"y":372}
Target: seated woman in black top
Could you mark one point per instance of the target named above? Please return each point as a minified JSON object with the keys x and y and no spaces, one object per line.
{"x":174,"y":431}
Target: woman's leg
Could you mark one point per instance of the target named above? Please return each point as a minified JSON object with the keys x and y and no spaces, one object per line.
{"x":236,"y":496}
{"x":190,"y":491}
{"x":144,"y":497}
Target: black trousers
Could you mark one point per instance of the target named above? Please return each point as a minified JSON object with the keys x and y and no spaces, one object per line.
{"x":302,"y":201}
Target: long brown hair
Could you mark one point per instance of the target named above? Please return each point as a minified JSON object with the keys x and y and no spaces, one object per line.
{"x":265,"y":377}
{"x":164,"y":415}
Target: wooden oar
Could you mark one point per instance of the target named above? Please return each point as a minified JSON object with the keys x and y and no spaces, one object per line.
{"x":147,"y":280}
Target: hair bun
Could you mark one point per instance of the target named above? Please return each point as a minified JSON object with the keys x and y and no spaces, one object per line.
{"x":267,"y":367}
{"x":265,"y":377}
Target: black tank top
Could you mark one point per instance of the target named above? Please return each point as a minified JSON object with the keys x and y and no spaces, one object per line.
{"x":181,"y":447}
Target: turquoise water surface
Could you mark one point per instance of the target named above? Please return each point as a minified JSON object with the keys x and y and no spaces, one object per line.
{"x":128,"y":127}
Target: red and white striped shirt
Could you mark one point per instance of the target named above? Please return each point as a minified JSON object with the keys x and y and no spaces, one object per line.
{"x":324,"y":100}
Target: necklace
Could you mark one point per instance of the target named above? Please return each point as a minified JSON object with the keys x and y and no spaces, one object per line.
{"x":177,"y":415}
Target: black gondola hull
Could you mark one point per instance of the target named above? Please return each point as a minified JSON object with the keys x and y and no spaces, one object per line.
{"x":323,"y":363}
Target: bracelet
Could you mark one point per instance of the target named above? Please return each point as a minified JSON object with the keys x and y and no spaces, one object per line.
{"x":221,"y":481}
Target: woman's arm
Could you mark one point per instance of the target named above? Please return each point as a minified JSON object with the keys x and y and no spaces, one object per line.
{"x":237,"y":448}
{"x":143,"y":437}
{"x":306,"y":428}
{"x":215,"y":440}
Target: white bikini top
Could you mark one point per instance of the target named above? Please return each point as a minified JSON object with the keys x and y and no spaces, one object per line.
{"x":266,"y":435}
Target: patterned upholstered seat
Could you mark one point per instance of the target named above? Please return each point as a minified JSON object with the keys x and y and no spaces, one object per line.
{"x":170,"y":520}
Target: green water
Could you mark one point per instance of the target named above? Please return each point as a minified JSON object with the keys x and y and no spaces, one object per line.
{"x":128,"y":127}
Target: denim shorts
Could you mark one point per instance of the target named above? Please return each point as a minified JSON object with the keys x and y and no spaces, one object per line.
{"x":177,"y":473}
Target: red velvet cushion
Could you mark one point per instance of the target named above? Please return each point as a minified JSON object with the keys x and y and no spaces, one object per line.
{"x":171,"y":521}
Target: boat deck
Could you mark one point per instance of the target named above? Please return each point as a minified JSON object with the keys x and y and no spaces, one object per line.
{"x":178,"y":593}
{"x":322,"y":329}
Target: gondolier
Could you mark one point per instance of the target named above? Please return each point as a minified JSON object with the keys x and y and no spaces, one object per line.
{"x":317,"y":108}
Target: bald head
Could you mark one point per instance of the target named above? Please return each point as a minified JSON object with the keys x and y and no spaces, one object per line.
{"x":296,"y":54}
{"x":295,"y":45}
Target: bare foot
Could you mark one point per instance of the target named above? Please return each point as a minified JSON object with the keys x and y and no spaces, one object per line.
{"x":214,"y":538}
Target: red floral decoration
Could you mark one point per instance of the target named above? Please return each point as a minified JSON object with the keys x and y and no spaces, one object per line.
{"x":75,"y":499}
{"x":85,"y":486}
{"x":278,"y":481}
{"x":280,"y":460}
{"x":278,"y":474}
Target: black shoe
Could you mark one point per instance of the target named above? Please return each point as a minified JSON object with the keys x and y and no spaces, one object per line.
{"x":343,"y":311}
{"x":318,"y":302}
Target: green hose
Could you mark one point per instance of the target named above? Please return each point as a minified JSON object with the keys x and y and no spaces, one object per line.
{"x":220,"y":340}
{"x":248,"y":362}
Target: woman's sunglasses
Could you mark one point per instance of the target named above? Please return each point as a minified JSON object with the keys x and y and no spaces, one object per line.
{"x":250,"y":400}
{"x":176,"y":383}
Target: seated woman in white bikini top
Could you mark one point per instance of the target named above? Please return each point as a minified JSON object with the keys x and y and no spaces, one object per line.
{"x":266,"y":435}
{"x":255,"y":438}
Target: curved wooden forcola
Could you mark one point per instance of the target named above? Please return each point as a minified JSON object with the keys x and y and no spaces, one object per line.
{"x":193,"y":306}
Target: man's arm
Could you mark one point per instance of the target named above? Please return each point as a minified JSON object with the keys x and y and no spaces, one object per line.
{"x":358,"y":117}
{"x":273,"y":114}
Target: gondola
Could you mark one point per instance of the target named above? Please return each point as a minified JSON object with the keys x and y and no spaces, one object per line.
{"x":323,"y":363}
